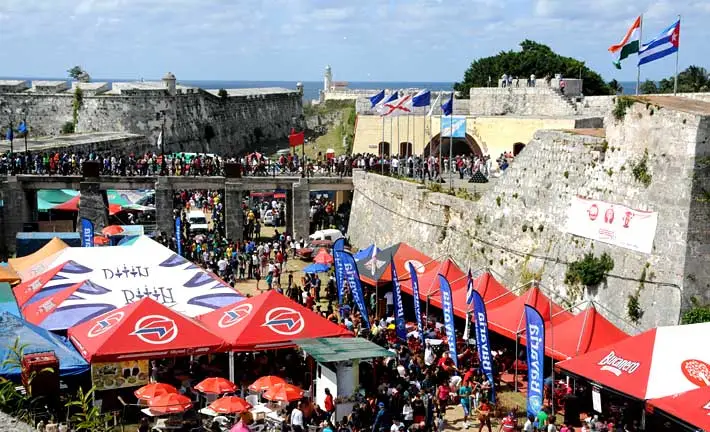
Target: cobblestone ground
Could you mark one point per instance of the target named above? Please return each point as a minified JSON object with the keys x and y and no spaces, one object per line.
{"x":10,"y":424}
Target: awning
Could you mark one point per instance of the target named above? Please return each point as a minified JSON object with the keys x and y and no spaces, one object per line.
{"x":376,"y":270}
{"x":343,"y":349}
{"x":267,"y":321}
{"x":142,"y":330}
{"x":585,"y":332}
{"x":508,"y":320}
{"x":52,"y":247}
{"x":691,"y":407}
{"x":660,"y":362}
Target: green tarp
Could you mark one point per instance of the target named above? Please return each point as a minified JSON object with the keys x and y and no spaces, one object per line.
{"x":326,"y":350}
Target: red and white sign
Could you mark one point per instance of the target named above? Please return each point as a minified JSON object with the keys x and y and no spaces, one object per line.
{"x":612,"y":223}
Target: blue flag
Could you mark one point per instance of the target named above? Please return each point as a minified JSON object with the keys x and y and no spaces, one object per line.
{"x":178,"y":235}
{"x":417,"y":306}
{"x":339,"y":246}
{"x":448,"y":107}
{"x":353,"y":278}
{"x":480,"y":319}
{"x":535,"y":331}
{"x":400,"y":325}
{"x":87,"y":233}
{"x":374,"y":100}
{"x":9,"y":135}
{"x":22,"y":128}
{"x":421,"y":99}
{"x":447,"y":306}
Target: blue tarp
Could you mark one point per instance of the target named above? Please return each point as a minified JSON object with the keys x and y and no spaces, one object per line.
{"x":317,"y":268}
{"x":37,"y":340}
{"x":365,"y":253}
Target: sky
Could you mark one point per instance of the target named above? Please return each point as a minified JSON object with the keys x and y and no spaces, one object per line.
{"x":293,"y":40}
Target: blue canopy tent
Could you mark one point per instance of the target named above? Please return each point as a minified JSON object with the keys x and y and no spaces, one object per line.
{"x":317,"y":268}
{"x":36,"y":339}
{"x":365,"y":253}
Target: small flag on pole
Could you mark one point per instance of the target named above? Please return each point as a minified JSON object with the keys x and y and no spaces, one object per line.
{"x":374,"y":100}
{"x":296,"y":139}
{"x":9,"y":134}
{"x":448,"y":107}
{"x":629,"y":44}
{"x":435,"y":104}
{"x":382,"y":106}
{"x":159,"y":141}
{"x":22,"y":128}
{"x":421,"y":99}
{"x":398,"y":107}
{"x":662,"y":45}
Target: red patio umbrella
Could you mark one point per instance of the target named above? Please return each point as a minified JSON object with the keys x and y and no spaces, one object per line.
{"x":100,"y":240}
{"x":153,"y":390}
{"x":266,"y":382}
{"x":323,"y":257}
{"x":170,"y":403}
{"x":112,"y":230}
{"x":230,"y":405}
{"x":216,"y":385}
{"x":283,"y":393}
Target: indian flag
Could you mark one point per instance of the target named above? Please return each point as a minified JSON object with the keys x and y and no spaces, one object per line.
{"x":629,"y":45}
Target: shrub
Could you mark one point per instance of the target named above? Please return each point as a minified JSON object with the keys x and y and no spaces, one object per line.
{"x":590,"y":270}
{"x":640,"y":170}
{"x":68,"y":128}
{"x":622,"y":104}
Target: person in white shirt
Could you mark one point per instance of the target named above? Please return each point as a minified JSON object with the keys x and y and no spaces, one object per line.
{"x":297,"y":419}
{"x":528,"y":426}
{"x":389,"y":297}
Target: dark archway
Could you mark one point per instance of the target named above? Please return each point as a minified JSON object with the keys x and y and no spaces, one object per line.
{"x":383,"y":148}
{"x":517,"y":148}
{"x":460,"y":146}
{"x":405,"y":149}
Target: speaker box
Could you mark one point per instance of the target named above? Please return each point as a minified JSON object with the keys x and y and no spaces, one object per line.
{"x":91,"y":168}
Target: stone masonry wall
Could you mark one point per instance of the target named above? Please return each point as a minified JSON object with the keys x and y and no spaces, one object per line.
{"x":532,"y":101}
{"x":517,"y":227}
{"x":237,"y":123}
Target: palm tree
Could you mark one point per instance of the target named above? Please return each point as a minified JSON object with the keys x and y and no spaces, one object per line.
{"x":616,"y":87}
{"x":695,"y":78}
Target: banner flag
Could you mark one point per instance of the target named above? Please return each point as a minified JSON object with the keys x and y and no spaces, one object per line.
{"x":417,"y":306}
{"x":353,"y":279}
{"x":400,"y":325}
{"x":482,"y":341}
{"x":453,"y":127}
{"x":87,"y":233}
{"x":178,"y":235}
{"x":447,"y":306}
{"x":535,"y":333}
{"x":339,"y":246}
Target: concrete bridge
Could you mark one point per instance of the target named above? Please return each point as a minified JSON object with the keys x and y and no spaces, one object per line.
{"x":20,"y":197}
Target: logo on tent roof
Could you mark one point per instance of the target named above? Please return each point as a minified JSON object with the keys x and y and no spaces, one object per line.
{"x":374,"y":264}
{"x":418,"y":266}
{"x":235,"y":315}
{"x":697,"y":372}
{"x":105,"y":324}
{"x":616,"y":365}
{"x":284,"y":321}
{"x":155,"y":329}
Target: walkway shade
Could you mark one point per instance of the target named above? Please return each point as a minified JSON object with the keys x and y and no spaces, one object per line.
{"x":267,"y":321}
{"x":377,"y":271}
{"x":660,"y":362}
{"x":366,"y":253}
{"x":691,"y":407}
{"x":36,"y":339}
{"x":585,"y":332}
{"x":142,"y":330}
{"x":216,"y":385}
{"x":153,"y":390}
{"x":508,"y":320}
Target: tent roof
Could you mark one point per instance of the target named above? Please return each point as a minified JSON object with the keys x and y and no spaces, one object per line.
{"x":7,"y":300}
{"x":71,"y":205}
{"x":8,"y":274}
{"x":140,"y":330}
{"x":429,"y":280}
{"x":366,"y":253}
{"x":37,"y":340}
{"x":402,"y":254}
{"x":326,"y":350}
{"x":507,"y":320}
{"x":659,"y":362}
{"x":269,"y":320}
{"x":690,"y":407}
{"x":586,"y":331}
{"x":53,"y":246}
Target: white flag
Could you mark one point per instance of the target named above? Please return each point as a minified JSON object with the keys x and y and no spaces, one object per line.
{"x":434,"y":105}
{"x":159,"y":142}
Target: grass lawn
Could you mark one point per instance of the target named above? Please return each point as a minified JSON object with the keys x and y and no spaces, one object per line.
{"x":332,"y":139}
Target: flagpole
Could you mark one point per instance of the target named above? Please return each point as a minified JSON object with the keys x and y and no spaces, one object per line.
{"x":638,"y":66}
{"x":431,"y":132}
{"x":451,"y":142}
{"x":677,"y":55}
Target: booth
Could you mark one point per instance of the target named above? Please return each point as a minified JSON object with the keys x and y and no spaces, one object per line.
{"x":337,"y":368}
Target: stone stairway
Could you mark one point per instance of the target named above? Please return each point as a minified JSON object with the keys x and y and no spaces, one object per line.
{"x":568,"y":100}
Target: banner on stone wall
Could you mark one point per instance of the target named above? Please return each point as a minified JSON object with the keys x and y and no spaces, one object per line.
{"x":612,"y":223}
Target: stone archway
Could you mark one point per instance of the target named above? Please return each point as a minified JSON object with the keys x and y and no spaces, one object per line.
{"x":383,"y":148}
{"x":460,"y":146}
{"x":517,"y":148}
{"x":405,"y":149}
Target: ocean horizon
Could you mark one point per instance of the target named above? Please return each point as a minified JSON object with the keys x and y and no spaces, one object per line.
{"x":311,"y":89}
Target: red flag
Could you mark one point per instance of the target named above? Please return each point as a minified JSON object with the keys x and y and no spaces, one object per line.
{"x":295,"y":139}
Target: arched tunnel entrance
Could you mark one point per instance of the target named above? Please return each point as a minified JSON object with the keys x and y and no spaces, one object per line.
{"x":459,"y":146}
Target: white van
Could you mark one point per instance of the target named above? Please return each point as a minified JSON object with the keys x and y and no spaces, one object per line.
{"x":327,"y":234}
{"x":198,"y":222}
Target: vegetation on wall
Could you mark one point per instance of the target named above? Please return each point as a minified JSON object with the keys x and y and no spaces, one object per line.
{"x":697,"y":313}
{"x":622,"y":104}
{"x":76,"y":105}
{"x":589,"y":271}
{"x":533,"y":59}
{"x":640,"y":170}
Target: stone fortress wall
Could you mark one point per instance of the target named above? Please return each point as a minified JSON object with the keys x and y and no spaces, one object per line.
{"x":517,"y":228}
{"x":194,"y":119}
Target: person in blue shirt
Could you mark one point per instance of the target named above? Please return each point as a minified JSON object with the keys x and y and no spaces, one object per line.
{"x":381,"y":422}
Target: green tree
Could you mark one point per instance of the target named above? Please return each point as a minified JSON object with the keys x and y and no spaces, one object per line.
{"x":76,"y":72}
{"x":615,"y":87}
{"x":691,"y":80}
{"x":533,"y":58}
{"x":697,"y":313}
{"x":648,"y":87}
{"x":222,"y":93}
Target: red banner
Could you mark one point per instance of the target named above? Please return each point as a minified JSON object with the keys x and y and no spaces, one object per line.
{"x":295,"y":139}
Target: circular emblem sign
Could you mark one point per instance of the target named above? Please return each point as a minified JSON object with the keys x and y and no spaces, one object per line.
{"x":105,"y":324}
{"x":284,"y":321}
{"x":155,"y":329}
{"x":418,"y":266}
{"x":234,"y":315}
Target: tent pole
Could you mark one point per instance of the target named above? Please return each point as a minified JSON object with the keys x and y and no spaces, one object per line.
{"x":516,"y":362}
{"x":231,"y":366}
{"x":552,"y":346}
{"x":584,"y":326}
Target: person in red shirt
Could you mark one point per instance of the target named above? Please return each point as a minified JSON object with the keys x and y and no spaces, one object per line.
{"x":484,"y":415}
{"x":508,"y":423}
{"x":329,"y":404}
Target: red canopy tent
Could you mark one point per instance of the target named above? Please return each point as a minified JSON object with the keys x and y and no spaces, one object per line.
{"x":507,"y":320}
{"x":586,"y":331}
{"x":429,"y":280}
{"x":402,"y":254}
{"x":323,"y":257}
{"x":691,"y":407}
{"x":24,"y":291}
{"x":269,"y":320}
{"x":141,"y":330}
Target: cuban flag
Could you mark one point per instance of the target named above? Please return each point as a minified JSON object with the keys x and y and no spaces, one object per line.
{"x":448,"y":107}
{"x":469,"y":288}
{"x":381,"y":107}
{"x":662,"y":45}
{"x":374,"y":100}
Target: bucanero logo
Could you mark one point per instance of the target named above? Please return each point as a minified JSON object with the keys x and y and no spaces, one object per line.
{"x":105,"y":324}
{"x":617,"y":365}
{"x":418,"y":266}
{"x":284,"y":321}
{"x":155,"y":329}
{"x":235,"y":315}
{"x":697,"y":372}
